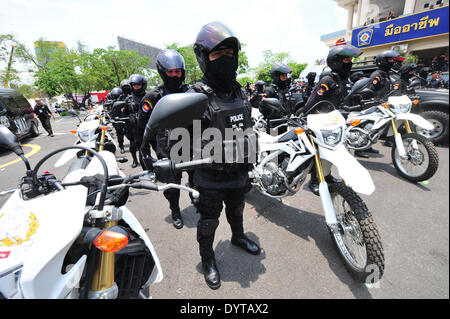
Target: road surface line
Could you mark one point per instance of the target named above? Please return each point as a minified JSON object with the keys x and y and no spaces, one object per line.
{"x":34,"y":150}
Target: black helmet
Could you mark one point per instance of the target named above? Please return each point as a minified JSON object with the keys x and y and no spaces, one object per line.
{"x":214,"y":35}
{"x":382,"y":59}
{"x":276,"y":71}
{"x":406,"y":69}
{"x":259,"y":85}
{"x":337,"y":54}
{"x":126,"y":87}
{"x":138,"y":79}
{"x":167,"y":60}
{"x":311,"y":77}
{"x":116,"y":93}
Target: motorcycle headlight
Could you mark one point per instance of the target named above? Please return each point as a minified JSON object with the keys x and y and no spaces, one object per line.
{"x":402,"y":108}
{"x":332,"y":137}
{"x":84,"y":135}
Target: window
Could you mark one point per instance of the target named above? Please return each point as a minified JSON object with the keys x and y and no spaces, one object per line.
{"x":22,"y":102}
{"x":438,"y":2}
{"x":426,"y":5}
{"x":9,"y":102}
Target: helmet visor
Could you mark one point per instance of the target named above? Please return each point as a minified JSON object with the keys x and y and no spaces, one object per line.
{"x":171,"y":59}
{"x":213,"y":34}
{"x":349,"y":51}
{"x":282,"y":69}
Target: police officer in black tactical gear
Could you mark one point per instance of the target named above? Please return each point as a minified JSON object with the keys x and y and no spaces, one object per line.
{"x":307,"y":89}
{"x":116,"y":94}
{"x":171,"y":68}
{"x":380,"y":80}
{"x":216,"y":49}
{"x":279,"y":89}
{"x":407,"y":71}
{"x":331,"y":87}
{"x":258,"y":94}
{"x":138,"y":85}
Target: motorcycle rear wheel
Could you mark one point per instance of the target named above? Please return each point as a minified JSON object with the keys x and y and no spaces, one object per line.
{"x":357,"y":239}
{"x":421,"y":164}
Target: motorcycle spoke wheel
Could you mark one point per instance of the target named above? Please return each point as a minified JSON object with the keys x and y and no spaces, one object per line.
{"x":421,"y":160}
{"x":356,"y":238}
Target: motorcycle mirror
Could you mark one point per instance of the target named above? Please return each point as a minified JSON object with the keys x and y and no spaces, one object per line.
{"x":177,"y":110}
{"x":360,"y":85}
{"x":272,"y":104}
{"x":9,"y":141}
{"x":122,"y":159}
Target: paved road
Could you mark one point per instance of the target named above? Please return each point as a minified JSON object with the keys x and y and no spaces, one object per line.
{"x":298,"y":258}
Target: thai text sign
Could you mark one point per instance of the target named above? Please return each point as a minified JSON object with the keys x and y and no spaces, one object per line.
{"x":414,"y":26}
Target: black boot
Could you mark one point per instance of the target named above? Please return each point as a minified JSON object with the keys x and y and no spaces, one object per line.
{"x":372,"y":150}
{"x":177,"y":220}
{"x":331,"y":180}
{"x":388,"y":143}
{"x":211,"y":273}
{"x":248,"y":245}
{"x":314,"y":184}
{"x":361,"y":154}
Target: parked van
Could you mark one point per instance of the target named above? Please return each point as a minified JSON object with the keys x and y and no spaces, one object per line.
{"x":17,"y":114}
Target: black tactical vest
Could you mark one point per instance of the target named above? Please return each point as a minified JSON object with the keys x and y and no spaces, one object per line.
{"x":232,"y":118}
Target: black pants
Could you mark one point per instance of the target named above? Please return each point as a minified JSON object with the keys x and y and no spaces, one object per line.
{"x":120,"y":131}
{"x":210,"y":206}
{"x":46,"y":125}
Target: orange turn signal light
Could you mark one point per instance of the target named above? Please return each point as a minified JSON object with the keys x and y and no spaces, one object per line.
{"x":73,"y":132}
{"x":104,"y":128}
{"x":416,"y":102}
{"x":109,"y":241}
{"x":386,"y":105}
{"x":355,"y":122}
{"x":299,"y":131}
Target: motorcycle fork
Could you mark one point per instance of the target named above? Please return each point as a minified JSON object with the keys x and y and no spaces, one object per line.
{"x":102,"y":139}
{"x":318,"y":162}
{"x":398,"y":139}
{"x":325,"y":196}
{"x":103,"y":278}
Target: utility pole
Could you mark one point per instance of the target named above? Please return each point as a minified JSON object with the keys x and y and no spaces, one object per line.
{"x":8,"y":70}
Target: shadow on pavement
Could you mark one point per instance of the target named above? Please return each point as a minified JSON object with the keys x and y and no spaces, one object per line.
{"x":236,"y":265}
{"x":307,"y":225}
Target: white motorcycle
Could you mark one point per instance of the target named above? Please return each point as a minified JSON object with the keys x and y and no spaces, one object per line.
{"x":92,"y":133}
{"x":413,"y":155}
{"x":283,"y":164}
{"x":76,"y":238}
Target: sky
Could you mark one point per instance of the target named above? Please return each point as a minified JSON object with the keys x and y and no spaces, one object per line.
{"x":280,"y":26}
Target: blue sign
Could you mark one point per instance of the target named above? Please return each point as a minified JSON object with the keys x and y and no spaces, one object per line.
{"x":415,"y":26}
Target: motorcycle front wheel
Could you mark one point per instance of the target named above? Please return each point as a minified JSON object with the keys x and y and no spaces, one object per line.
{"x":357,"y":239}
{"x":421,"y":161}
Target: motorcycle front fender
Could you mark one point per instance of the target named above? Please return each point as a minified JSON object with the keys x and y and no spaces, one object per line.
{"x":131,"y":220}
{"x":353,"y":173}
{"x":71,"y":153}
{"x":416,"y":119}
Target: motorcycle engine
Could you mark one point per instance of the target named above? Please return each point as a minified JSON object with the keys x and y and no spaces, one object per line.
{"x":272,"y":180}
{"x":358,"y":137}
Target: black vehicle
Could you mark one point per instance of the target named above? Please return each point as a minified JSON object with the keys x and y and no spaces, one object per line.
{"x":17,"y":114}
{"x":433,"y":106}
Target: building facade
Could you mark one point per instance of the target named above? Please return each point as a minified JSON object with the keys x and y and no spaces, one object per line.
{"x":142,"y":49}
{"x":417,"y":27}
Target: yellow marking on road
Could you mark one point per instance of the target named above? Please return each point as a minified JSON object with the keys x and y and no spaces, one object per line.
{"x":34,"y":149}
